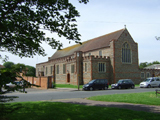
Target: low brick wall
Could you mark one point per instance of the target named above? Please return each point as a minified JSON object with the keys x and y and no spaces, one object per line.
{"x":43,"y":82}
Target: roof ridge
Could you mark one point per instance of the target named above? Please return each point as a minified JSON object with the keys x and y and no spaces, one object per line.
{"x":89,"y":45}
{"x":109,"y":33}
{"x":95,"y":38}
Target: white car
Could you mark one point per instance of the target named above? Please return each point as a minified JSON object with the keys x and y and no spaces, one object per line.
{"x":14,"y":84}
{"x":150,"y":82}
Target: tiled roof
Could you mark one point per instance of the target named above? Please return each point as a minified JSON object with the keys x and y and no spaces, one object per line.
{"x":93,"y":44}
{"x":154,"y":66}
{"x":1,"y":66}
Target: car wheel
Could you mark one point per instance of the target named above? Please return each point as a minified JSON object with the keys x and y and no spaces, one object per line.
{"x":132,"y":86}
{"x":119,"y":87}
{"x":149,"y":86}
{"x":91,"y":88}
{"x":105,"y":88}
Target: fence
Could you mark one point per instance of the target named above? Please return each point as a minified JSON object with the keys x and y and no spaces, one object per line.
{"x":43,"y":82}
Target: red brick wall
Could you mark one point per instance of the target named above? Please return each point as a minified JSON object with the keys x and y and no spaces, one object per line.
{"x":44,"y":82}
{"x":37,"y":81}
{"x":30,"y":79}
{"x":126,"y":70}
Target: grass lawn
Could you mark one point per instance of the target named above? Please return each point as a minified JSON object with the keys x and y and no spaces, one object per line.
{"x":148,"y":98}
{"x":75,"y":86}
{"x":66,"y":111}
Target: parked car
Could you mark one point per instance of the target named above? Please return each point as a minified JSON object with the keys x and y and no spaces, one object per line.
{"x":123,"y":83}
{"x":150,"y":82}
{"x":14,"y":84}
{"x":96,"y":84}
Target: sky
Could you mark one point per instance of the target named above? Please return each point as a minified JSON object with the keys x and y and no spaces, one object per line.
{"x":100,"y":17}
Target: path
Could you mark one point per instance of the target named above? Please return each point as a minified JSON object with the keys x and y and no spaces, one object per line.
{"x":136,"y":107}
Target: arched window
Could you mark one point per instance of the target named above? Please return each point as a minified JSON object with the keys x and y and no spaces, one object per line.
{"x":126,"y":53}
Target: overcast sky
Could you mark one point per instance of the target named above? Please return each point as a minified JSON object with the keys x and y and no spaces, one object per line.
{"x":100,"y":17}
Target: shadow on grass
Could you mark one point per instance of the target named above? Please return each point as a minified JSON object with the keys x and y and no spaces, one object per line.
{"x":135,"y":107}
{"x":4,"y":98}
{"x":72,"y":111}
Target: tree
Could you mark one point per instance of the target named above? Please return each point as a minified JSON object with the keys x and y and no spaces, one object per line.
{"x":30,"y":71}
{"x":8,"y":64}
{"x":22,"y":23}
{"x":142,"y":65}
{"x":19,"y":67}
{"x":146,"y":64}
{"x":7,"y":75}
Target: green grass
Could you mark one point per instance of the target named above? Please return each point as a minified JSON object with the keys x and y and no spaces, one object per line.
{"x":137,"y":85}
{"x":75,"y":86}
{"x":66,"y":111}
{"x":67,"y":86}
{"x":148,"y":98}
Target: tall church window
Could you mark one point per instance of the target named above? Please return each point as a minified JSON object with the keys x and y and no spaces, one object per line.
{"x":72,"y":68}
{"x":126,"y":53}
{"x":57,"y":69}
{"x":46,"y":70}
{"x":64,"y":68}
{"x":51,"y":69}
{"x":85,"y":67}
{"x":101,"y":67}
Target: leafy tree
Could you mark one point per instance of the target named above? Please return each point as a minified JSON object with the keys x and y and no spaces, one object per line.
{"x":8,"y":64}
{"x":30,"y":71}
{"x":155,"y":62}
{"x":7,"y":75}
{"x":146,"y":64}
{"x":142,"y":65}
{"x":19,"y":67}
{"x":22,"y":23}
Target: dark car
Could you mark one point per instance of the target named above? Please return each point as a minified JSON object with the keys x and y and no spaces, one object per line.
{"x":123,"y":83}
{"x":96,"y":84}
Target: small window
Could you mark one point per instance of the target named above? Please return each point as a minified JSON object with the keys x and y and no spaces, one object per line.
{"x":64,"y":68}
{"x":89,"y":54}
{"x":46,"y":70}
{"x":142,"y":74}
{"x":57,"y":69}
{"x":147,"y":74}
{"x":51,"y":69}
{"x":100,"y":53}
{"x":72,"y":68}
{"x":101,"y":67}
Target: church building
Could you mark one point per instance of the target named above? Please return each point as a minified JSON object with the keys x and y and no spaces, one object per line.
{"x":112,"y":56}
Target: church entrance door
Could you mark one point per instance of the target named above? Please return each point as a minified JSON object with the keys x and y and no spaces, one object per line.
{"x":68,"y":77}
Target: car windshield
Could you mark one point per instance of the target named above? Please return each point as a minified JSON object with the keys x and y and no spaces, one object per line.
{"x":16,"y":82}
{"x":120,"y":81}
{"x":147,"y":80}
{"x":91,"y":81}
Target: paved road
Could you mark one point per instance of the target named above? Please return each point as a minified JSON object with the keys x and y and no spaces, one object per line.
{"x":56,"y":94}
